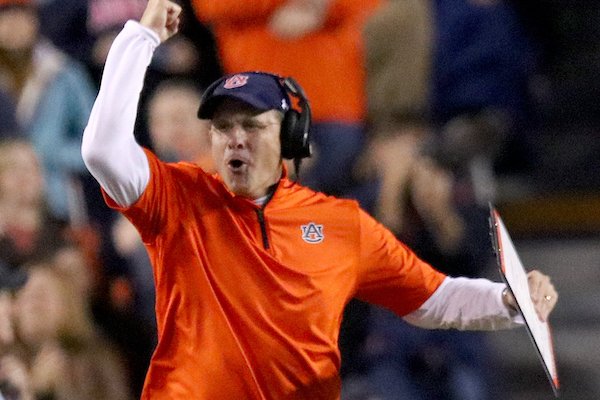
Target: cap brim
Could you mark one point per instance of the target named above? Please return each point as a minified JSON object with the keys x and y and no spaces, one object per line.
{"x":208,"y":107}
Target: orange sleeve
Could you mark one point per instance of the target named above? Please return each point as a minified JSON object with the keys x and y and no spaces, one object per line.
{"x":390,"y":274}
{"x":149,"y":213}
{"x":232,"y":11}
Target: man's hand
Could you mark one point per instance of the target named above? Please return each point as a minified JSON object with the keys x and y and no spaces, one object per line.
{"x":298,"y":18}
{"x":543,"y":294}
{"x":162,"y":16}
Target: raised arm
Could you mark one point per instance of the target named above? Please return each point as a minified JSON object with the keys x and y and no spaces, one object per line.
{"x":109,"y":148}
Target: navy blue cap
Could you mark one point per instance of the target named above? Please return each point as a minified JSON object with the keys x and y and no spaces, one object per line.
{"x":261,"y":90}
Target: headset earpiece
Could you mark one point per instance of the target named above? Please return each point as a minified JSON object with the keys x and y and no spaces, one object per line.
{"x":288,"y":127}
{"x":295,"y":128}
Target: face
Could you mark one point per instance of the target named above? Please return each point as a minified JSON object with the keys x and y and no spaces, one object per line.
{"x":18,"y":164}
{"x":176,"y":131}
{"x":18,"y":28}
{"x":246,"y":147}
{"x":40,"y":307}
{"x":72,"y":262}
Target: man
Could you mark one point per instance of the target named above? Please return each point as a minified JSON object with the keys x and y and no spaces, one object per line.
{"x":52,"y":95}
{"x":252,"y":270}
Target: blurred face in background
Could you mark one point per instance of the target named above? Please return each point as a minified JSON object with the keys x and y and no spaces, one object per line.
{"x":40,"y":306}
{"x":19,"y":164}
{"x":19,"y":28}
{"x":176,"y":132}
{"x":71,"y":261}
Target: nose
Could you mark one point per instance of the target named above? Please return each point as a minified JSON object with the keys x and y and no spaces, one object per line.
{"x":237,"y":138}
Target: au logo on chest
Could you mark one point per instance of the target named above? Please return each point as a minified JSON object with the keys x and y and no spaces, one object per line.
{"x":312,"y":233}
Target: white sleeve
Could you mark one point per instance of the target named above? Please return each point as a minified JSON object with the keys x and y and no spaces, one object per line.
{"x":109,"y":148}
{"x":465,"y":304}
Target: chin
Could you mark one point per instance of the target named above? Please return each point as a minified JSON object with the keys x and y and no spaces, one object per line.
{"x":237,"y":188}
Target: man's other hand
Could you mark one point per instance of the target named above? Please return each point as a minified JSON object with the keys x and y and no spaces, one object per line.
{"x":543,"y":294}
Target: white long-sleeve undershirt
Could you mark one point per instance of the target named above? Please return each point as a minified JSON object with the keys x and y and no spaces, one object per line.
{"x":119,"y":164}
{"x":465,"y":304}
{"x":109,"y":148}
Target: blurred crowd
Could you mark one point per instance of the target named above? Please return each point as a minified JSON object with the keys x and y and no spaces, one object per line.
{"x":418,"y":105}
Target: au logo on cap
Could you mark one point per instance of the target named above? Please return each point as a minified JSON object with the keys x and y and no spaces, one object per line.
{"x":312,"y":233}
{"x":235,"y":81}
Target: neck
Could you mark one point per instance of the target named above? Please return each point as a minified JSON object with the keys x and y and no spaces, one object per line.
{"x":270,"y":185}
{"x":261,"y":200}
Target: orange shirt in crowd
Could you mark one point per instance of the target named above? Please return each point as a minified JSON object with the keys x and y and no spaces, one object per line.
{"x":329,"y":62}
{"x":249,"y":299}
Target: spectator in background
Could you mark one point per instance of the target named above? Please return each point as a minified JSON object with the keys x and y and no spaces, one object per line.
{"x":175,"y":131}
{"x":404,"y":139}
{"x":28,"y":231}
{"x":465,"y":68}
{"x":71,"y":261}
{"x":398,"y":81}
{"x":29,"y":234}
{"x":420,"y":170}
{"x":69,"y":359}
{"x":403,"y":361}
{"x":318,"y":43}
{"x":482,"y":66}
{"x":53,"y":97}
{"x":441,"y":88}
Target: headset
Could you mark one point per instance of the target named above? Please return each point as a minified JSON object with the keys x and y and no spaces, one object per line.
{"x":295,"y":127}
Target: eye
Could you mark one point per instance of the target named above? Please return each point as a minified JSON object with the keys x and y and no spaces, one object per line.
{"x":253,"y":126}
{"x":222,"y":126}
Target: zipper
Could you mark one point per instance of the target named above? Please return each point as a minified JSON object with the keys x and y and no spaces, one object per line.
{"x":260,"y":213}
{"x":263,"y":227}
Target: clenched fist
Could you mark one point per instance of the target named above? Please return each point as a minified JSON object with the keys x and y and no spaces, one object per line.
{"x":162,"y":16}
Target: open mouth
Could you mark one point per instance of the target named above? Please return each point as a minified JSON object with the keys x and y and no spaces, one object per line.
{"x":236,"y":164}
